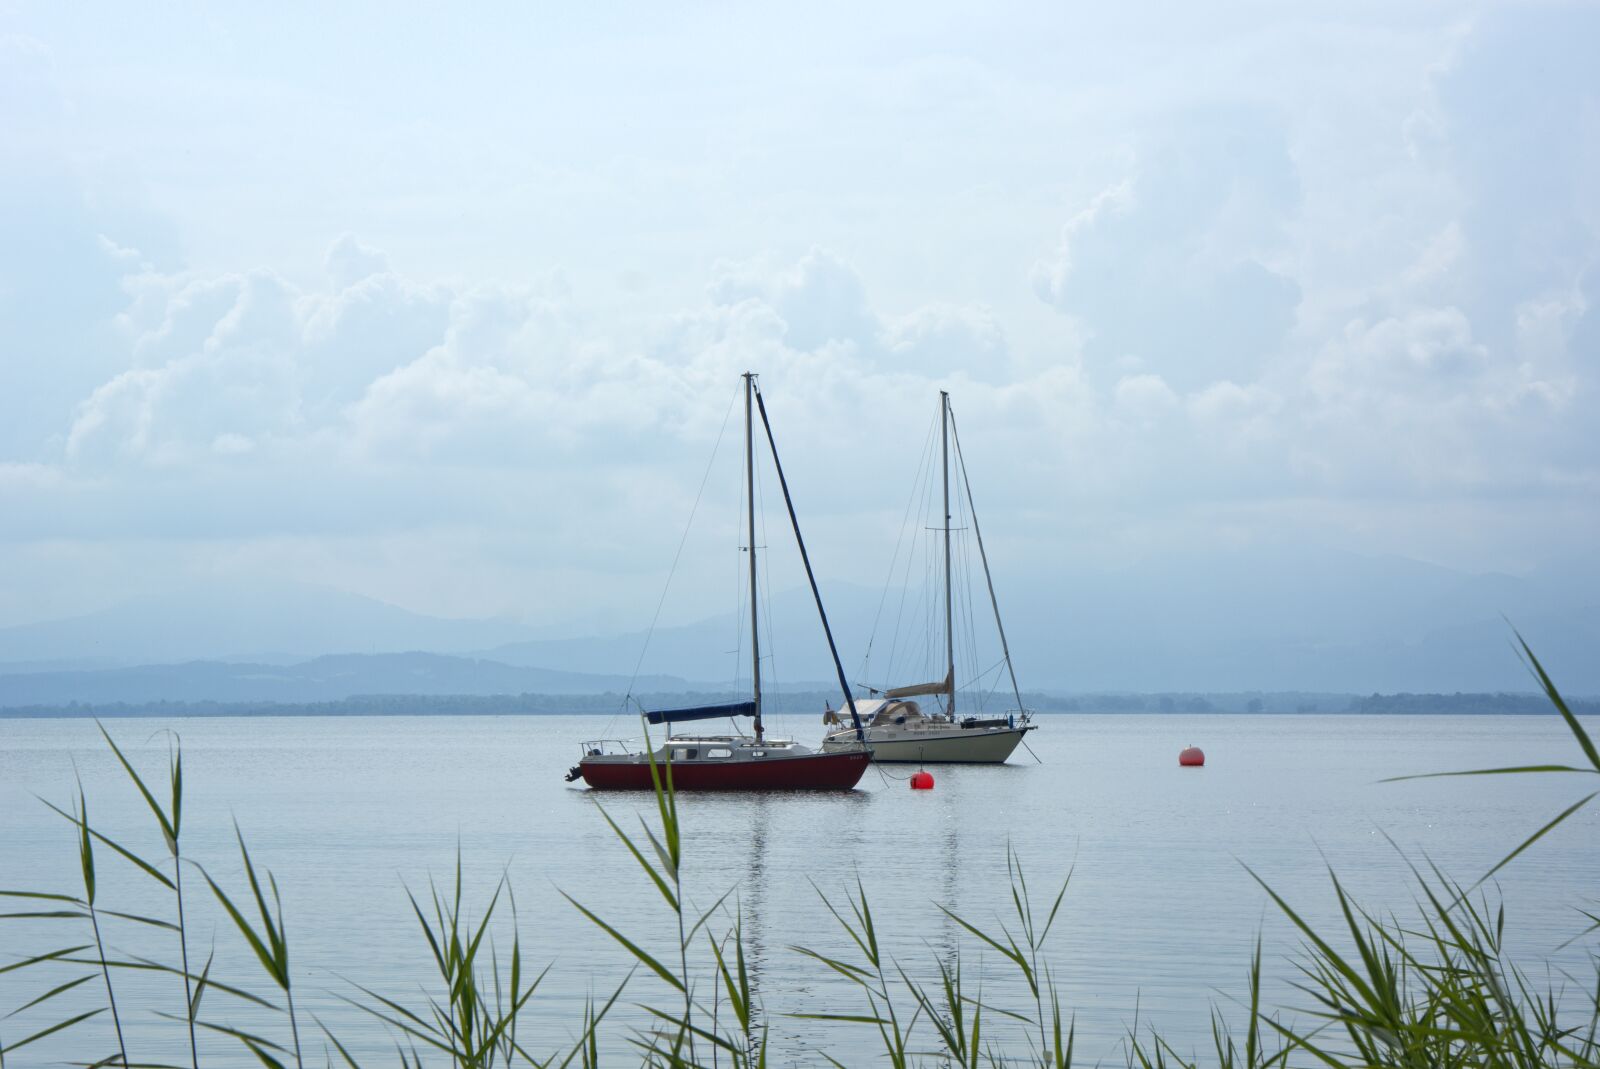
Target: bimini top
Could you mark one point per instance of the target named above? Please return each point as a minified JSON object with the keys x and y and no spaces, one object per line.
{"x":702,"y":712}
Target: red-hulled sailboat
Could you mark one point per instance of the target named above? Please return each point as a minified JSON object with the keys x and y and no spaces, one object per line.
{"x":735,"y":762}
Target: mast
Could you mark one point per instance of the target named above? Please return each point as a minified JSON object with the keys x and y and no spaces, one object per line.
{"x":949,"y":632}
{"x":750,"y":499}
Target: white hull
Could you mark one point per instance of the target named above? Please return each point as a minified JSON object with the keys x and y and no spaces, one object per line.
{"x":953,"y":745}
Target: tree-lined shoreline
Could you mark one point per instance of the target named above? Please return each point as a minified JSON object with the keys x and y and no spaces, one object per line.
{"x":814,"y":701}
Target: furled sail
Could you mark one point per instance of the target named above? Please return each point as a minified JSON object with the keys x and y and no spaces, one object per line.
{"x":947,"y":685}
{"x":702,"y":712}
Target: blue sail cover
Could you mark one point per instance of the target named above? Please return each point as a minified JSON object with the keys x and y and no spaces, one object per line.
{"x":702,"y":712}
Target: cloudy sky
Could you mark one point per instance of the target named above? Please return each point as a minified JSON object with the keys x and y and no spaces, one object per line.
{"x":447,"y":309}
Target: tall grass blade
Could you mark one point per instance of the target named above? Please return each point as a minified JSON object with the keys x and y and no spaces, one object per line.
{"x":1559,"y":702}
{"x":639,"y":954}
{"x":145,"y":866}
{"x":1535,"y":837}
{"x":53,"y":955}
{"x":45,"y":896}
{"x":85,"y":848}
{"x":644,"y":863}
{"x":199,"y":990}
{"x":59,"y":1026}
{"x":86,"y":864}
{"x":1517,"y":770}
{"x":169,"y":830}
{"x":52,"y":993}
{"x":257,"y":944}
{"x":349,"y":1059}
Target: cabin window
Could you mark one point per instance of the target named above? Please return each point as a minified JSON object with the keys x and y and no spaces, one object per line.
{"x":718,"y":752}
{"x":685,"y":753}
{"x":758,"y":753}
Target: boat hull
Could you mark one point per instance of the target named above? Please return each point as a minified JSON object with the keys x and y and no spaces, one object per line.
{"x":838,"y":771}
{"x":956,"y":746}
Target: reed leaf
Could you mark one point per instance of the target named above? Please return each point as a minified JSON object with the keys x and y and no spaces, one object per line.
{"x":1582,"y":736}
{"x":269,"y":945}
{"x":168,"y":823}
{"x":63,"y":954}
{"x":52,"y":993}
{"x":146,"y":867}
{"x":661,"y":882}
{"x":1535,"y":837}
{"x":143,"y":964}
{"x":639,"y":954}
{"x":59,"y":1026}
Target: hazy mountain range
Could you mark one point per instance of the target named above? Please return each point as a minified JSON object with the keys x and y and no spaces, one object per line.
{"x":1307,"y":622}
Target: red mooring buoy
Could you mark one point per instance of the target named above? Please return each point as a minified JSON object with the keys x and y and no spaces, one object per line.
{"x":1193,"y":757}
{"x":922,"y":781}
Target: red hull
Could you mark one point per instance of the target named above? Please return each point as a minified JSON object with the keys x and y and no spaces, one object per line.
{"x":811,"y":772}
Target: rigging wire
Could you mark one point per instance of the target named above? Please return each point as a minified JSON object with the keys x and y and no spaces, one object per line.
{"x":676,"y":557}
{"x":741,"y":590}
{"x":932,"y":620}
{"x":739,"y":598}
{"x":988,"y":579}
{"x":928,"y":592}
{"x":970,"y":637}
{"x":923,"y":466}
{"x":765,"y":568}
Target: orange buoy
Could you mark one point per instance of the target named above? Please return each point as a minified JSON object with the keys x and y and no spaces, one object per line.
{"x":1193,"y":757}
{"x":922,"y":781}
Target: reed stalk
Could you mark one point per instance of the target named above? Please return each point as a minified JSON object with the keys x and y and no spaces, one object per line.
{"x":86,"y":863}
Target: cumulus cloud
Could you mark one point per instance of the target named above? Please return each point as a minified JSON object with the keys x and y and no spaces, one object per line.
{"x":239,"y":382}
{"x":1423,"y":328}
{"x":379,"y":369}
{"x":1146,"y":399}
{"x":1050,"y":277}
{"x":350,"y":261}
{"x":1171,"y":264}
{"x":1249,"y":294}
{"x":943,"y":339}
{"x":1238,"y":417}
{"x":357,"y":333}
{"x":820,"y":299}
{"x":1431,"y":349}
{"x":64,"y":257}
{"x":1518,"y":106}
{"x":820,"y":305}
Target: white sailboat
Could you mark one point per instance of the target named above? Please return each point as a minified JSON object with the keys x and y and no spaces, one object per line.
{"x":896,"y":727}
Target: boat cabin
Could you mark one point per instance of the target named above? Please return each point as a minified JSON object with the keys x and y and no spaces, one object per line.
{"x":680,"y":749}
{"x":893,"y":711}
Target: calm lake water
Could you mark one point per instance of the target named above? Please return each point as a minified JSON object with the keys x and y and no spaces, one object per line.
{"x":1159,"y":921}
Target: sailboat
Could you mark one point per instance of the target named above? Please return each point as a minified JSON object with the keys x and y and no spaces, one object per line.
{"x":737,"y":761}
{"x":897,"y":728}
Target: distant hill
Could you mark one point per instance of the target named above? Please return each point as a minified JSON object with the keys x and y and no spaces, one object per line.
{"x":272,"y":623}
{"x":717,"y":648}
{"x":1204,"y":623}
{"x":1288,"y":622}
{"x":322,"y":679}
{"x":1309,"y":620}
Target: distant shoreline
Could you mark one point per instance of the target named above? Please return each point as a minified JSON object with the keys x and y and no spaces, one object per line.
{"x":809,"y":703}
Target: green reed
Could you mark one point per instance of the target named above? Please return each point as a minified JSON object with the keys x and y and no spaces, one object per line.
{"x":1434,"y":991}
